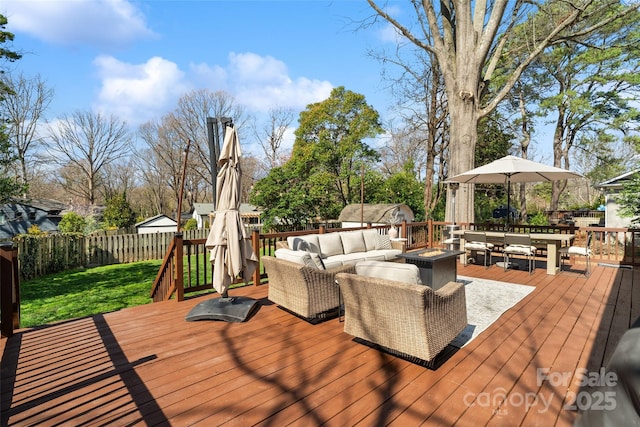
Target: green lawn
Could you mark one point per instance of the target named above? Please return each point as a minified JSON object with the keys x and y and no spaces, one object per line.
{"x":85,"y":292}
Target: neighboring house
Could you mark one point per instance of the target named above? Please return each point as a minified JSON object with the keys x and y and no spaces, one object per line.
{"x":374,"y":214}
{"x":203,"y":212}
{"x":157,"y":224}
{"x":18,"y":216}
{"x":611,"y":189}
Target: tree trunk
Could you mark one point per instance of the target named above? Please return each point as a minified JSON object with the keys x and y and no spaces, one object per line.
{"x":464,"y":135}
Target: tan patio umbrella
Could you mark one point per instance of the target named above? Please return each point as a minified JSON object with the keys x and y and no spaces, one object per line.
{"x":231,"y":253}
{"x":510,"y":169}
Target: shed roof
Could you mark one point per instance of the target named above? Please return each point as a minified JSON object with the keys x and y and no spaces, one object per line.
{"x":374,"y":212}
{"x":162,"y":220}
{"x":619,"y":180}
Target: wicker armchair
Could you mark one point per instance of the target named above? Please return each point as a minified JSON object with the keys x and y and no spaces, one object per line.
{"x":308,"y":292}
{"x":409,"y":319}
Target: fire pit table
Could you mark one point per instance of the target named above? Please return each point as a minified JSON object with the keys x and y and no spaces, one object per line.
{"x":437,"y":266}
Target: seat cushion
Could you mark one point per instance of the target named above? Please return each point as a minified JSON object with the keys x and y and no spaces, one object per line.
{"x":520,"y":250}
{"x":578,"y":250}
{"x":308,"y":259}
{"x":478,"y":246}
{"x":405,"y":273}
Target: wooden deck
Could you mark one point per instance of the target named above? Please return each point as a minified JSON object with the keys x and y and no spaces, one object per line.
{"x":148,"y":366}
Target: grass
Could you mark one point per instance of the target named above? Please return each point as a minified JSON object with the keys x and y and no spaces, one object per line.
{"x":90,"y":291}
{"x":86,"y":292}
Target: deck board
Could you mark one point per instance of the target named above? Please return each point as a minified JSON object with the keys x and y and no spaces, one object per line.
{"x":147,"y":366}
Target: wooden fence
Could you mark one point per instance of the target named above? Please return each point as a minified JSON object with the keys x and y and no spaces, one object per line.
{"x":40,"y":255}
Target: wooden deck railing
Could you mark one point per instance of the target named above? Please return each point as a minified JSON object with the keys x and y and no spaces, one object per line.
{"x":195,"y":273}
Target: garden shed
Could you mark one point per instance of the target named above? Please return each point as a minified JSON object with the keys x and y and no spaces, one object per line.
{"x":157,"y":224}
{"x":611,"y":188}
{"x":374,"y":214}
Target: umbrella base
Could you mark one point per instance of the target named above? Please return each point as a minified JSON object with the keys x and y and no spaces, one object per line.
{"x":231,"y":309}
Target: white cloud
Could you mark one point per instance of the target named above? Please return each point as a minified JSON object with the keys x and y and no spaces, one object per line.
{"x":71,"y":22}
{"x":263,"y":82}
{"x":138,"y":93}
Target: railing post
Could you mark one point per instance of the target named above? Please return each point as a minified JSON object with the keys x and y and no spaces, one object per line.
{"x":430,"y":233}
{"x":179,"y":262}
{"x":255,"y":242}
{"x":9,"y":289}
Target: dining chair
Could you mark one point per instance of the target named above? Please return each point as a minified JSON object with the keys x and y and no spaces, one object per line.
{"x":585,"y":251}
{"x":519,"y":244}
{"x":476,"y":241}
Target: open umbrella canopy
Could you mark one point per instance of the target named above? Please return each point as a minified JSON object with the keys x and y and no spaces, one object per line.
{"x":513,"y":169}
{"x":510,"y":169}
{"x":231,"y":252}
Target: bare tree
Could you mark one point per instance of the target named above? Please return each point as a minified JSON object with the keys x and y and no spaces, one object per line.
{"x":189,"y":121}
{"x":271,"y":136}
{"x":161,"y":163}
{"x":422,"y":105}
{"x":84,"y":143}
{"x":24,"y":109}
{"x":467,"y":40}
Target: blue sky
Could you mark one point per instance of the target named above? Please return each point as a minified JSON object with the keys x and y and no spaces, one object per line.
{"x":136,"y":58}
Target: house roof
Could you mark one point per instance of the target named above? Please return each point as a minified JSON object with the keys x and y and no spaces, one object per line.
{"x":246,"y":209}
{"x":49,"y":205}
{"x":203,"y":208}
{"x":374,"y":213}
{"x":157,"y":219}
{"x":619,"y":180}
{"x":17,"y":218}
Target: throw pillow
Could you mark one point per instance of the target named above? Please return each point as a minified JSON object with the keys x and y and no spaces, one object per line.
{"x":370,"y":237}
{"x":330,"y":244}
{"x":317,"y":260}
{"x":352,"y":241}
{"x":383,"y":241}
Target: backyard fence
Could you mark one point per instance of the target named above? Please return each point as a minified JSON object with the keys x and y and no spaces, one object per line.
{"x":40,"y":255}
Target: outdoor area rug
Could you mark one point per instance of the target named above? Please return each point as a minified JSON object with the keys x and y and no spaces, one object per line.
{"x":486,"y":301}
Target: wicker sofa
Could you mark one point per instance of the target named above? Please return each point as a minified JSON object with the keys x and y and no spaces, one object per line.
{"x":307,"y":291}
{"x":345,"y":247}
{"x":406,"y":318}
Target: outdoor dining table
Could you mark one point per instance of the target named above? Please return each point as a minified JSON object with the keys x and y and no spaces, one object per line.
{"x":552,"y":240}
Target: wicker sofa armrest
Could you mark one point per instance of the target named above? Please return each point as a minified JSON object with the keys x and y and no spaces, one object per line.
{"x":282,"y":244}
{"x":410,"y":319}
{"x":308,"y":292}
{"x":398,"y":244}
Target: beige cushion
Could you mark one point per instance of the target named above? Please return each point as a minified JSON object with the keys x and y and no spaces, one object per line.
{"x":330,"y":244}
{"x":370,"y":237}
{"x":307,"y":243}
{"x":352,"y":241}
{"x":299,"y":257}
{"x":406,"y":273}
{"x":520,"y":249}
{"x":478,"y":246}
{"x":578,"y":250}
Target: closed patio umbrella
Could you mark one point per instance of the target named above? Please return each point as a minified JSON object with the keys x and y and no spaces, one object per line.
{"x":231,"y":253}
